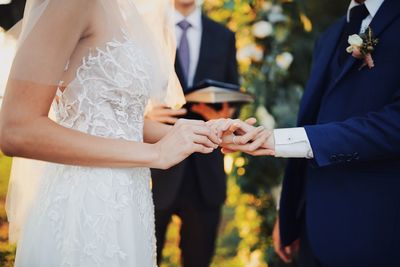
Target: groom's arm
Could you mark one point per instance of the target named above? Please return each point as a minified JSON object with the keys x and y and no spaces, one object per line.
{"x":374,"y":136}
{"x":365,"y":138}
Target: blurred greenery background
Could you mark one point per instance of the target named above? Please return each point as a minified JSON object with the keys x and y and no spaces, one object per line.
{"x":275,"y":41}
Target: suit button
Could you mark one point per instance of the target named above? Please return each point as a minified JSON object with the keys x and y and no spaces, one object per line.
{"x":341,"y":157}
{"x":356,"y":156}
{"x":334,"y":158}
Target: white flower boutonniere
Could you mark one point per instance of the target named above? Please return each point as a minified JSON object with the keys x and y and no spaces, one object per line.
{"x":362,"y":46}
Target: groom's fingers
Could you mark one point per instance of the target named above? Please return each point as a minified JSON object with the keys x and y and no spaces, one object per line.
{"x":252,"y":135}
{"x":282,"y":254}
{"x":263,"y":152}
{"x":231,"y":148}
{"x":259,"y":140}
{"x":227,"y":151}
{"x":251,"y":121}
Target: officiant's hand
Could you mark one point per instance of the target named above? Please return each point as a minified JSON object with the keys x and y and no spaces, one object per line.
{"x":208,"y":113}
{"x":165,"y":114}
{"x":185,"y":138}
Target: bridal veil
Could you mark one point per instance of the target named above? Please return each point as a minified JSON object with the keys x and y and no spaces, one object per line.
{"x":148,"y":24}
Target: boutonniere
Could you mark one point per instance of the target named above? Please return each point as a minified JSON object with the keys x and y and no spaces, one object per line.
{"x":362,"y":46}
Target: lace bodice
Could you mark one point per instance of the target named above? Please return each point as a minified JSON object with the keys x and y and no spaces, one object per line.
{"x":109,"y":95}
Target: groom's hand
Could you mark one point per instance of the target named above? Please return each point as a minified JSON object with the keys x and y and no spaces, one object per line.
{"x":285,"y":253}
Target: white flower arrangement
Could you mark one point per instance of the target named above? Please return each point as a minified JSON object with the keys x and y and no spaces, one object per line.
{"x":362,"y":46}
{"x":252,"y":52}
{"x":276,"y":14}
{"x":262,"y":29}
{"x":355,"y":42}
{"x":284,"y":60}
{"x":265,"y":118}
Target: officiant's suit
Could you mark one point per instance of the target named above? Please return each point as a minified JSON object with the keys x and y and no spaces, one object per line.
{"x":343,"y":202}
{"x":195,"y":190}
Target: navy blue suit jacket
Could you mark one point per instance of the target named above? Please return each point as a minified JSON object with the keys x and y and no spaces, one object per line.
{"x":348,"y":196}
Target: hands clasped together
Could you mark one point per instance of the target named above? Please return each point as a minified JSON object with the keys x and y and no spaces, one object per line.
{"x":190,"y":136}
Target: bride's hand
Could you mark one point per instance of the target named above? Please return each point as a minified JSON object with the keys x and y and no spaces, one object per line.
{"x":185,"y":137}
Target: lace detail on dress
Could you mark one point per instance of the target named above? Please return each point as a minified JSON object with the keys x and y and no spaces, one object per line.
{"x":93,"y":231}
{"x":102,"y":216}
{"x":109,"y":95}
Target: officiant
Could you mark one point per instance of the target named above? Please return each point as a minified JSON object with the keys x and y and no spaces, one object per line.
{"x":195,"y":190}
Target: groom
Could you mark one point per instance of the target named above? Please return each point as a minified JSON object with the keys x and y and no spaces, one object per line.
{"x":341,"y":195}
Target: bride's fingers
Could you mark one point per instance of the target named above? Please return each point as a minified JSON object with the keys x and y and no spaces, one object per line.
{"x":203,"y":140}
{"x":202,"y":149}
{"x":231,"y":128}
{"x":222,"y":126}
{"x":206,"y":131}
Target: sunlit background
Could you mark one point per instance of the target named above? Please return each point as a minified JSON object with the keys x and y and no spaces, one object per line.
{"x":275,"y":41}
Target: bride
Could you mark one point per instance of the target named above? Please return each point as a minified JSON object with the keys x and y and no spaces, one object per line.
{"x":98,"y":63}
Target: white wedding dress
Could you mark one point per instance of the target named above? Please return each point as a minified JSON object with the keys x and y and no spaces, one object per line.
{"x":96,"y":216}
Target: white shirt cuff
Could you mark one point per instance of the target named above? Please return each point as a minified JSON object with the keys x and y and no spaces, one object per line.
{"x":292,"y":143}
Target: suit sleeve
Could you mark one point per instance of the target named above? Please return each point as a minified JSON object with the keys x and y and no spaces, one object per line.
{"x":374,"y":136}
{"x":232,"y":75}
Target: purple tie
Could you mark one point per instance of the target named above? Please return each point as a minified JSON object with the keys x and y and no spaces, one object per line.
{"x":183,"y":49}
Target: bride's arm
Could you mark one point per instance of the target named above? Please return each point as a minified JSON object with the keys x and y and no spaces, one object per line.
{"x":26,"y":131}
{"x":154,"y":131}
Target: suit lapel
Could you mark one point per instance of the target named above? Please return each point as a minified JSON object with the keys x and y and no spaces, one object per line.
{"x":205,"y":41}
{"x":389,"y":10}
{"x":321,"y":66}
{"x":387,"y":13}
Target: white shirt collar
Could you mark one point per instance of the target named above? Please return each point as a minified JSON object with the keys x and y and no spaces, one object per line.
{"x":372,"y":6}
{"x":194,"y":18}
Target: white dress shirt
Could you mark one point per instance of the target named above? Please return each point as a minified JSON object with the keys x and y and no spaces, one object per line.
{"x":194,"y":34}
{"x":294,"y":142}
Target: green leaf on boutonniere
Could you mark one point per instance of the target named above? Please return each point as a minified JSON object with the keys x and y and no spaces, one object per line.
{"x":369,"y":42}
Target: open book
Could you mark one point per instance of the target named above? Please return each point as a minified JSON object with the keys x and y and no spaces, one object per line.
{"x":213,"y":92}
